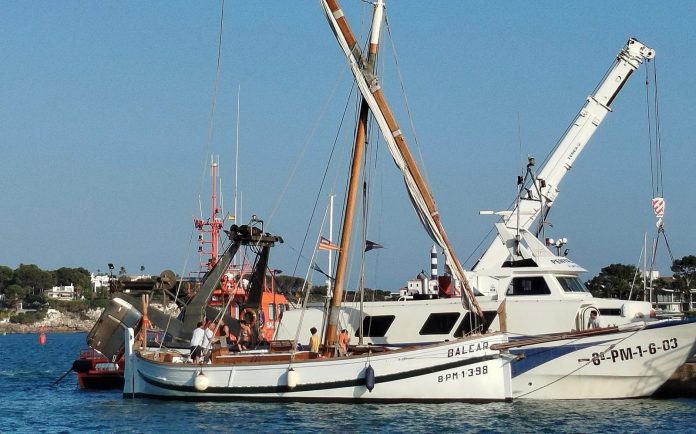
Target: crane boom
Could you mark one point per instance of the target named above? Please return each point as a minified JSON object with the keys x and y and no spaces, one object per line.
{"x":544,"y":188}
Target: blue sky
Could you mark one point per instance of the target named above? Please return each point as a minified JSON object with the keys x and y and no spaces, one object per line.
{"x":104,"y":124}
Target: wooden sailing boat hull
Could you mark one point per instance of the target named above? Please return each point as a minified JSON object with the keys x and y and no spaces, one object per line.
{"x":464,"y":370}
{"x":623,"y":364}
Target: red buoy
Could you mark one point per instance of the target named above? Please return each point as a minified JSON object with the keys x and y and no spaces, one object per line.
{"x":42,"y":336}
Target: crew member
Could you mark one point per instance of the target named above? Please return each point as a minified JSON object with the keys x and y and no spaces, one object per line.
{"x":314,"y":341}
{"x":197,"y":342}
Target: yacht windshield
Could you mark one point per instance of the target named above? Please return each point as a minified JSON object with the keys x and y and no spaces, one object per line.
{"x":572,"y":284}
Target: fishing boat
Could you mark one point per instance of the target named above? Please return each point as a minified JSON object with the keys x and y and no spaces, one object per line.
{"x":96,"y":371}
{"x":101,"y":366}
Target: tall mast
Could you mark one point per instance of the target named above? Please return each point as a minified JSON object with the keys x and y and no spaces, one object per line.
{"x":213,"y":223}
{"x":236,"y":163}
{"x":418,"y":190}
{"x":353,"y":183}
{"x":214,"y":227}
{"x":329,"y":286}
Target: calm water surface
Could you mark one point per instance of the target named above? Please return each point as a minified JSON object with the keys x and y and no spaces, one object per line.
{"x":31,"y":403}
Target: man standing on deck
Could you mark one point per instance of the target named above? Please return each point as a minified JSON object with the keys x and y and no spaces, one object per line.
{"x":314,"y":341}
{"x":343,"y":341}
{"x":208,"y":339}
{"x":197,"y":342}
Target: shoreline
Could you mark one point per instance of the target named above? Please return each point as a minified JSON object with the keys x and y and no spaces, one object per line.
{"x":6,"y":328}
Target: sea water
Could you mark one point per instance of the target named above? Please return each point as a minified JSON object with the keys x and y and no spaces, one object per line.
{"x":30,"y":402}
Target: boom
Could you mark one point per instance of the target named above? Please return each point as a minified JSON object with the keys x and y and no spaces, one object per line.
{"x":543,"y":190}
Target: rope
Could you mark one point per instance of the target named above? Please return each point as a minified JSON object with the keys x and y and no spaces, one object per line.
{"x":323,"y":179}
{"x":178,"y":288}
{"x":300,"y":155}
{"x":213,"y":103}
{"x":211,"y":123}
{"x":405,"y":99}
{"x":609,"y":348}
{"x":304,"y":301}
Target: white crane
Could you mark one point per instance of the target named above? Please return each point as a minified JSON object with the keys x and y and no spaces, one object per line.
{"x":537,"y":198}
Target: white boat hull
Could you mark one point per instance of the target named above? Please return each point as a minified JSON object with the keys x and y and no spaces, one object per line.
{"x":465,"y":370}
{"x":624,"y":364}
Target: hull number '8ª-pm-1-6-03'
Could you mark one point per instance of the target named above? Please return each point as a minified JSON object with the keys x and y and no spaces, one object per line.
{"x":624,"y":354}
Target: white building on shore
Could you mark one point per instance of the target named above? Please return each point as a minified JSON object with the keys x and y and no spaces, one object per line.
{"x":66,"y":292}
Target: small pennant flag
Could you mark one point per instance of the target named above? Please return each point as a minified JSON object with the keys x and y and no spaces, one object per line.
{"x":325,"y":244}
{"x":316,"y":268}
{"x":370,"y":245}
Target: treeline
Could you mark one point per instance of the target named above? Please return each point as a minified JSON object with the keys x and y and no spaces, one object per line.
{"x":293,"y":287}
{"x":621,"y":281}
{"x":26,"y":285}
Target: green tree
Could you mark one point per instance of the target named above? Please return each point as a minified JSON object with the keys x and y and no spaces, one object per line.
{"x":79,"y":277}
{"x":684,"y":275}
{"x":31,"y":276}
{"x":14,"y":294}
{"x":614,"y":281}
{"x":6,"y":276}
{"x":288,"y":284}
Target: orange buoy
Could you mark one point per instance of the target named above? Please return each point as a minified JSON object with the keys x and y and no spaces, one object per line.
{"x":42,"y":336}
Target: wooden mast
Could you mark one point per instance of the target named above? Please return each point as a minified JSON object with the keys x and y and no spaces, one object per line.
{"x":395,"y":131}
{"x":349,"y":213}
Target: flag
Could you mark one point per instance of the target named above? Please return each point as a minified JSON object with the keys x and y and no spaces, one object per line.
{"x":316,"y":268}
{"x":325,"y":244}
{"x":369,"y":245}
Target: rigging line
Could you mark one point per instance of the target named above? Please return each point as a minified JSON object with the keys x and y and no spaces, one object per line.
{"x":324,"y":175}
{"x":669,"y":249}
{"x":178,"y":288}
{"x":647,"y":106}
{"x":305,"y":146}
{"x":363,"y":244}
{"x":216,"y":91}
{"x":658,"y":135}
{"x":307,"y":291}
{"x":405,"y":99}
{"x":478,"y":246}
{"x":635,"y":275}
{"x":609,"y":348}
{"x":371,"y":194}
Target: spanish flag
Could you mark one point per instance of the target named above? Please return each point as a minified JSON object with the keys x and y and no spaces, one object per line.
{"x":325,"y":244}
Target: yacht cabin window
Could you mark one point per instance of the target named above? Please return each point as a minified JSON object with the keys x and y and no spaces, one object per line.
{"x":440,"y":323}
{"x":376,"y":326}
{"x":572,"y":284}
{"x":535,"y":285}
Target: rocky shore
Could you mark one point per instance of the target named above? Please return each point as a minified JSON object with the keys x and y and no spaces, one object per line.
{"x":57,"y":322}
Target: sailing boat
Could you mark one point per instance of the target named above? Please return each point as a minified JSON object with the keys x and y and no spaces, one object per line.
{"x":466,"y":369}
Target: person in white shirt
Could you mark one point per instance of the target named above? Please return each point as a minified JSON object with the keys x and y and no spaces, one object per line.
{"x":208,"y":340}
{"x":197,"y":342}
{"x":209,"y":336}
{"x":593,"y":323}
